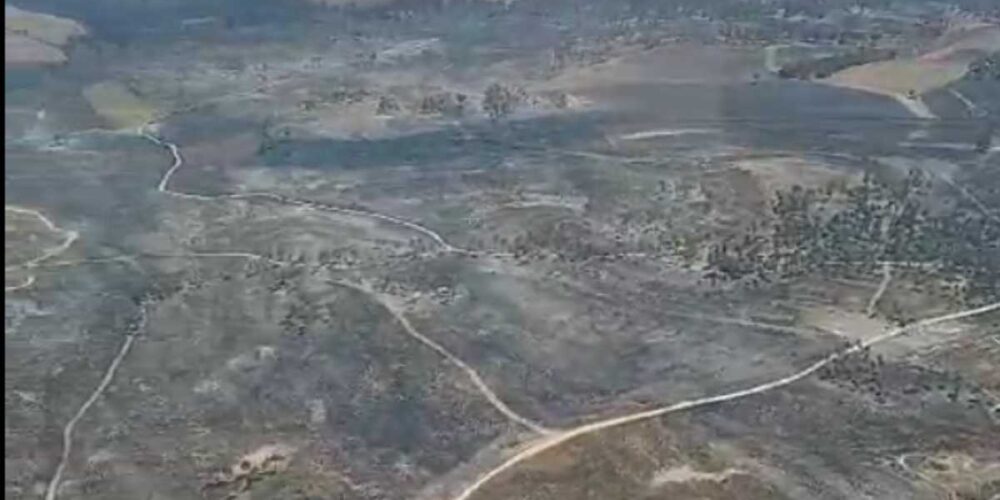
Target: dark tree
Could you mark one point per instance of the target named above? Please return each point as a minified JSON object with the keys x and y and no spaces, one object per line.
{"x":500,"y":100}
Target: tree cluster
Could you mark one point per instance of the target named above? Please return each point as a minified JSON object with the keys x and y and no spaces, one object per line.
{"x":985,"y":68}
{"x":501,"y":100}
{"x":825,"y":66}
{"x":444,"y":103}
{"x":839,"y":229}
{"x":862,"y":372}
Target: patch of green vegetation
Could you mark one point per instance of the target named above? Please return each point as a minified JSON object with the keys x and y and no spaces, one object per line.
{"x":118,"y":105}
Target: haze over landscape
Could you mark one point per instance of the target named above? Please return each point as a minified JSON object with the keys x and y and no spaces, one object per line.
{"x":485,"y":249}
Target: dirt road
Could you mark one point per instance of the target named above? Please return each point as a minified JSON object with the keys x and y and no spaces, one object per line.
{"x":70,"y":238}
{"x":30,"y":280}
{"x":178,"y":161}
{"x":970,"y":106}
{"x":771,"y":57}
{"x":882,"y":286}
{"x":453,"y":359}
{"x":67,"y":435}
{"x":552,"y":440}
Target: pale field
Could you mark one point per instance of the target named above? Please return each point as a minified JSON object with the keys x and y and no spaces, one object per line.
{"x":674,"y":64}
{"x":21,"y":50}
{"x":33,"y":38}
{"x":924,"y":73}
{"x":118,"y":105}
{"x":901,"y":76}
{"x":45,"y":28}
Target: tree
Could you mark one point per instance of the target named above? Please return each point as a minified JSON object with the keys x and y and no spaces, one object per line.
{"x":500,"y":100}
{"x":387,"y":105}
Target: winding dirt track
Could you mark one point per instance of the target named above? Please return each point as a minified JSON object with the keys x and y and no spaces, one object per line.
{"x":550,"y":438}
{"x":970,"y":106}
{"x":52,"y":490}
{"x":178,"y":162}
{"x":67,"y":435}
{"x":882,"y":286}
{"x":163,"y":186}
{"x":30,"y":280}
{"x":455,"y":360}
{"x":70,"y":238}
{"x":556,"y":439}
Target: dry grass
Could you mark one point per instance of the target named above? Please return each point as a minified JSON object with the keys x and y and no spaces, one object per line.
{"x":900,"y":76}
{"x":978,"y":37}
{"x":927,"y":72}
{"x":961,"y":475}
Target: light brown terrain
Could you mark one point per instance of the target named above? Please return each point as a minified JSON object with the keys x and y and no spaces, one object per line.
{"x":32,"y":38}
{"x":909,"y":77}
